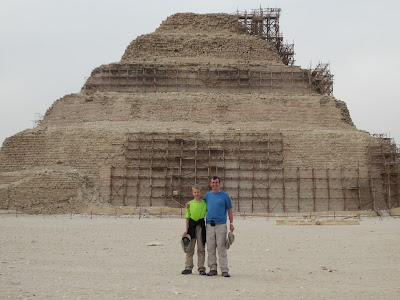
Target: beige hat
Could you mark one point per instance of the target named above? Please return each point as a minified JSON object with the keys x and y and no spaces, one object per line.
{"x":229,"y":240}
{"x":185,"y":243}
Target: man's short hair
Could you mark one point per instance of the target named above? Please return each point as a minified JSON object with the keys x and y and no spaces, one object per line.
{"x":216,"y":177}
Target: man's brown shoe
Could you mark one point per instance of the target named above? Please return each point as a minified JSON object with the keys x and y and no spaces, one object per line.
{"x":212,"y":273}
{"x":226,"y":274}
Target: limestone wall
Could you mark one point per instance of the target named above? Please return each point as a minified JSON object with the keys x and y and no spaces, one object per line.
{"x":203,"y":78}
{"x":161,"y":48}
{"x":257,"y":169}
{"x":235,"y":111}
{"x":46,"y":191}
{"x":200,"y":24}
{"x":195,"y":37}
{"x":49,"y":156}
{"x":315,"y":136}
{"x":89,"y":133}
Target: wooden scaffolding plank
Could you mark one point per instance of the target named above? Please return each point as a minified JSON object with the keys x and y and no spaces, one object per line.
{"x":252,"y":185}
{"x":111,"y":184}
{"x":358,"y":186}
{"x":298,"y":189}
{"x":283,"y":191}
{"x":328,"y":188}
{"x":238,"y":170}
{"x":125,"y":184}
{"x":166,"y":171}
{"x":314,"y":189}
{"x":343,"y":188}
{"x":151,"y":172}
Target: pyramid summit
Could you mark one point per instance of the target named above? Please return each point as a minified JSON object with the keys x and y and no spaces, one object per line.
{"x":202,"y":95}
{"x":200,"y":38}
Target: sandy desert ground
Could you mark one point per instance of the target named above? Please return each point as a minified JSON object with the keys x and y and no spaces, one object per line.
{"x":109,"y":257}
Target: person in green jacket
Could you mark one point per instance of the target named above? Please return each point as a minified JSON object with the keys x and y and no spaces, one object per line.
{"x":195,"y":227}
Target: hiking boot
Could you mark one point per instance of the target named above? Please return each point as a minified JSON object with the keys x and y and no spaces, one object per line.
{"x":202,"y":272}
{"x":186,"y":272}
{"x":226,"y":274}
{"x":212,"y":273}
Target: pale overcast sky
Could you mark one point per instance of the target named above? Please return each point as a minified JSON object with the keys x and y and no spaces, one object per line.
{"x":49,"y":47}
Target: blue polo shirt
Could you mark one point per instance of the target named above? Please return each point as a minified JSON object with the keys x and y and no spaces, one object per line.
{"x":217,"y":206}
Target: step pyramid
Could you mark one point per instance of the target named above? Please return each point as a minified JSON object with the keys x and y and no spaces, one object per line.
{"x":202,"y":95}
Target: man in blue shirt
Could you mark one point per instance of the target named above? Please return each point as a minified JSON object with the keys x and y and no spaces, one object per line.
{"x":218,"y":205}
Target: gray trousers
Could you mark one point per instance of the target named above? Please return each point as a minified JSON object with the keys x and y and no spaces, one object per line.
{"x":216,"y":238}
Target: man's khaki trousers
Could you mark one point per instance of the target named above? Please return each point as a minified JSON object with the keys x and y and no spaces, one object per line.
{"x":216,"y":238}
